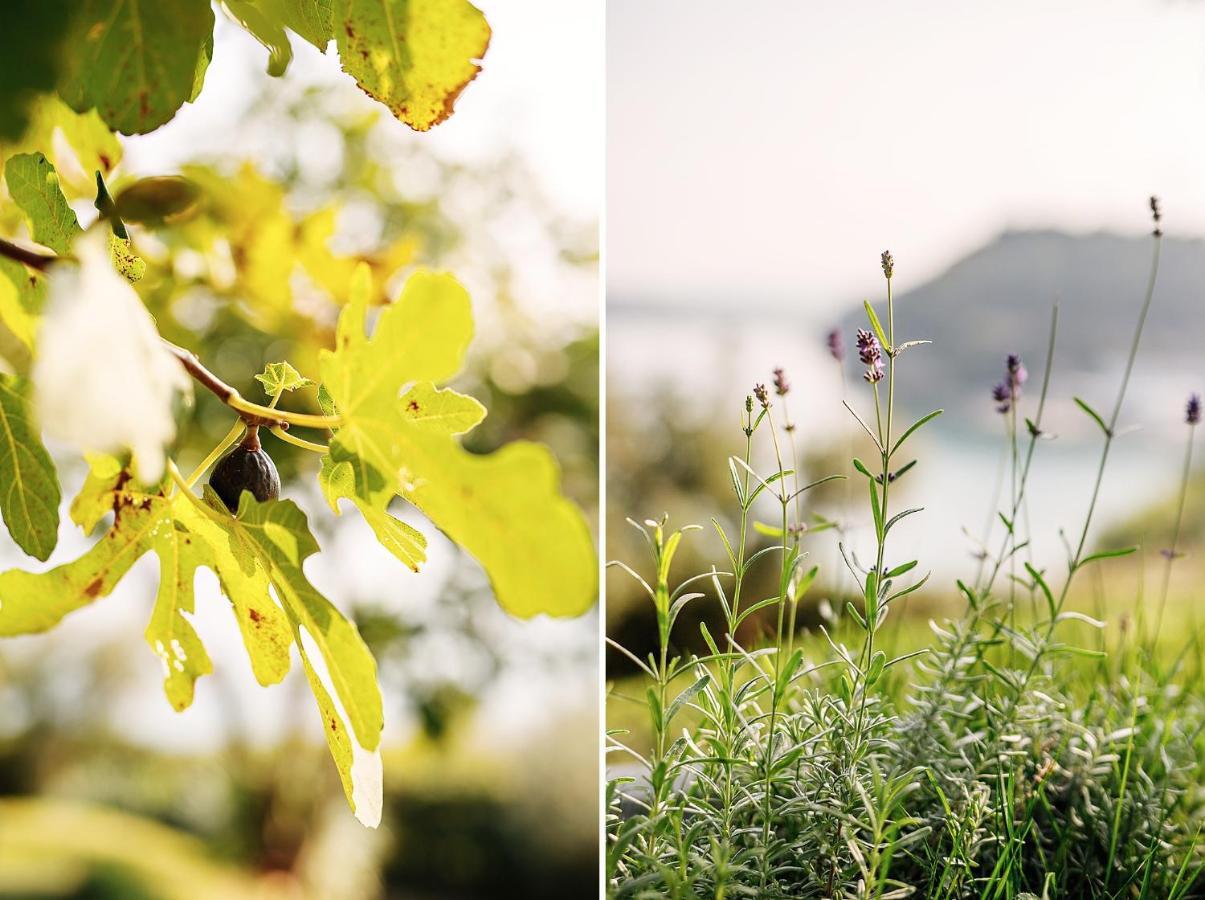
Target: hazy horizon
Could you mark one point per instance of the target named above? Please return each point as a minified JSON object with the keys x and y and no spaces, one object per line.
{"x":756,"y":155}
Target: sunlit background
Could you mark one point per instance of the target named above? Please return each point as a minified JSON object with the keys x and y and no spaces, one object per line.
{"x":490,"y":739}
{"x":761,"y":159}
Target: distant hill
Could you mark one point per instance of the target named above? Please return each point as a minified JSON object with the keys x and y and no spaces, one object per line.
{"x":997,"y":301}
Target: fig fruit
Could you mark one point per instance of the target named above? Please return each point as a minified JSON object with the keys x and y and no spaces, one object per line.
{"x":245,"y":468}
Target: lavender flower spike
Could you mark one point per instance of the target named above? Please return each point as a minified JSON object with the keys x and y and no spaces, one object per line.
{"x":781,"y":385}
{"x":868,"y":348}
{"x":1003,"y":397}
{"x":762,"y":395}
{"x":1192,"y":415}
{"x":871,"y":355}
{"x":836,"y":348}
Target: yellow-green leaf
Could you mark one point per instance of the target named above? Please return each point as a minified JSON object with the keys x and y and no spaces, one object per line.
{"x":131,"y":266}
{"x":337,"y":480}
{"x":415,"y":56}
{"x":29,"y":487}
{"x":170,"y":633}
{"x":404,"y":541}
{"x":443,"y":411}
{"x":136,"y":62}
{"x":21,"y":296}
{"x":32,"y":602}
{"x":277,"y":534}
{"x":421,"y":337}
{"x":506,"y":509}
{"x":263,"y":624}
{"x":279,"y":377}
{"x":34,"y":186}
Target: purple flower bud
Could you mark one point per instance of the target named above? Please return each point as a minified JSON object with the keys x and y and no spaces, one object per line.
{"x":762,"y":395}
{"x":1192,"y":415}
{"x":781,"y":385}
{"x":1003,"y":396}
{"x":888,"y":263}
{"x":868,"y":348}
{"x":874,"y":371}
{"x":836,"y":347}
{"x":1016,"y":369}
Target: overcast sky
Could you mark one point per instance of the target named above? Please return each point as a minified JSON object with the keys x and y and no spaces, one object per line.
{"x":770,"y":150}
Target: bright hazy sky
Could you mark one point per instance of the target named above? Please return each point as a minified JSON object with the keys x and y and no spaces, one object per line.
{"x":540,"y":92}
{"x":768,"y":151}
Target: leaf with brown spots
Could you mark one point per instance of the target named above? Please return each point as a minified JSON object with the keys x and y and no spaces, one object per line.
{"x":415,"y":56}
{"x":32,"y":602}
{"x":135,"y":61}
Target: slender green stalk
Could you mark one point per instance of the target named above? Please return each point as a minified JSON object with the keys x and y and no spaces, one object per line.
{"x":235,"y":432}
{"x":1170,"y":551}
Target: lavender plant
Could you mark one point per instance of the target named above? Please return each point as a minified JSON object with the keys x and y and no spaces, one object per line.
{"x":995,"y":762}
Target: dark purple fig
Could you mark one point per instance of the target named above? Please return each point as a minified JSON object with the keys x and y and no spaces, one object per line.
{"x":245,"y":468}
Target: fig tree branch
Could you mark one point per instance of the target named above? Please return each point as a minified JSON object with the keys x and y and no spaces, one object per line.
{"x":31,"y":258}
{"x":250,"y":413}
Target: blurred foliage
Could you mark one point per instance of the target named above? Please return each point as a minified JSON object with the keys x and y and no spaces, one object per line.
{"x":661,"y":460}
{"x":332,"y":182}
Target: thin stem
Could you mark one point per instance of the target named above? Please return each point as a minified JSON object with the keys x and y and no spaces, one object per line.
{"x":235,"y":432}
{"x":1034,"y":434}
{"x":252,"y":413}
{"x":298,"y":442}
{"x":1073,"y":564}
{"x":1171,"y":551}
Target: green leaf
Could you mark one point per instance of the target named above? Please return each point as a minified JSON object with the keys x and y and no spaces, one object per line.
{"x":901,"y":569}
{"x":279,"y":377}
{"x":876,"y":667}
{"x":34,"y":186}
{"x":444,"y":411}
{"x":1093,"y":413}
{"x":157,"y":200}
{"x":876,"y":325}
{"x":309,"y":18}
{"x":771,"y":531}
{"x":137,"y":63}
{"x":1106,"y":554}
{"x":29,"y":499}
{"x":913,"y":427}
{"x":415,"y":56}
{"x":30,"y":47}
{"x":263,"y":21}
